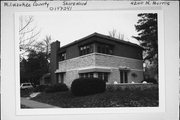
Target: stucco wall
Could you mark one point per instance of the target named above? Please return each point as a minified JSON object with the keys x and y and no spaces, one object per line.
{"x":71,"y":67}
{"x":76,"y":63}
{"x":115,"y":76}
{"x":70,"y":76}
{"x":135,"y":66}
{"x":116,"y":61}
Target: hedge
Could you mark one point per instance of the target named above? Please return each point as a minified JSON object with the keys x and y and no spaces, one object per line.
{"x":60,"y":87}
{"x":130,"y":86}
{"x":40,"y":88}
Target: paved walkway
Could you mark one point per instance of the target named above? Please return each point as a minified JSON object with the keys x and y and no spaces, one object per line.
{"x":34,"y":104}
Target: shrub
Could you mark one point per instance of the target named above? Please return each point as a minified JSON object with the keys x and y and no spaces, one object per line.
{"x":87,"y":86}
{"x":56,"y":88}
{"x":151,"y":80}
{"x":40,"y":88}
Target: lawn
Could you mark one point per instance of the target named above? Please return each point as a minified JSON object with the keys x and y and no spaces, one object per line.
{"x":110,"y":98}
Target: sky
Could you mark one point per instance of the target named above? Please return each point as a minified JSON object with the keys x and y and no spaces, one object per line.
{"x":67,"y":27}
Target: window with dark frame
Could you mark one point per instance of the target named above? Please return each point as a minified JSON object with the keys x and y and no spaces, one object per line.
{"x":106,"y":49}
{"x":61,"y":77}
{"x":106,"y":77}
{"x":91,"y":75}
{"x":123,"y":76}
{"x":101,"y":75}
{"x":86,"y":49}
{"x":62,"y":56}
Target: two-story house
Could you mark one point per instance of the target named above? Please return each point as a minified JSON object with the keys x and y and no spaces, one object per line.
{"x":98,"y":56}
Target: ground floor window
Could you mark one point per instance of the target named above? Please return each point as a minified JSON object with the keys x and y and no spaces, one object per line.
{"x":101,"y":75}
{"x":61,"y":77}
{"x":123,"y":76}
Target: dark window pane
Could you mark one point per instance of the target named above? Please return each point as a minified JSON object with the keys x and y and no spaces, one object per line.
{"x":86,"y":75}
{"x":106,"y":49}
{"x":110,"y":51}
{"x":86,"y":49}
{"x":125,"y":75}
{"x":80,"y":75}
{"x":62,"y":56}
{"x":100,"y":76}
{"x":91,"y":48}
{"x":91,"y":75}
{"x":121,"y":76}
{"x":106,"y":77}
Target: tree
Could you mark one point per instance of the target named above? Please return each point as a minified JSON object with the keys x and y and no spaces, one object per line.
{"x":37,"y":62}
{"x":148,"y":38}
{"x":114,"y":34}
{"x":28,"y":34}
{"x":44,"y":46}
{"x":34,"y":67}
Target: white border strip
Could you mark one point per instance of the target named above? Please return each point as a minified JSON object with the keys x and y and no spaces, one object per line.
{"x":69,"y":111}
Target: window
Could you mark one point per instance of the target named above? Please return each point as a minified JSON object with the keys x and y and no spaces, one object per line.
{"x":123,"y":76}
{"x":81,"y":75}
{"x":62,"y":56}
{"x":91,"y":75}
{"x":86,"y":49}
{"x":106,"y":77}
{"x":101,"y":75}
{"x":106,"y":49}
{"x":86,"y":75}
{"x":61,"y":77}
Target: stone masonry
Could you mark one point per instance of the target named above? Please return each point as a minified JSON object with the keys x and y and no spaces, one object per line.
{"x":71,"y":67}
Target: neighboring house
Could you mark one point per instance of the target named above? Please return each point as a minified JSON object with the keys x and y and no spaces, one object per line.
{"x":98,"y":56}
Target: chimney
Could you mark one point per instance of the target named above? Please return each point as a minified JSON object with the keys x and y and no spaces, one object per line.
{"x":54,"y":61}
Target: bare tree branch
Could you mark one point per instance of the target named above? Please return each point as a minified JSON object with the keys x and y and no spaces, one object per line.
{"x":30,"y":38}
{"x":28,"y":31}
{"x":44,"y":45}
{"x":25,"y":26}
{"x":28,"y":34}
{"x":114,"y":34}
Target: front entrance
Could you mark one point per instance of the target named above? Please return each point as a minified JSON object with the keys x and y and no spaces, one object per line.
{"x":123,"y":76}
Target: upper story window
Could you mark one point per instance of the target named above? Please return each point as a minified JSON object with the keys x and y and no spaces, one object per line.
{"x":62,"y":56}
{"x":86,"y":49}
{"x":106,"y":49}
